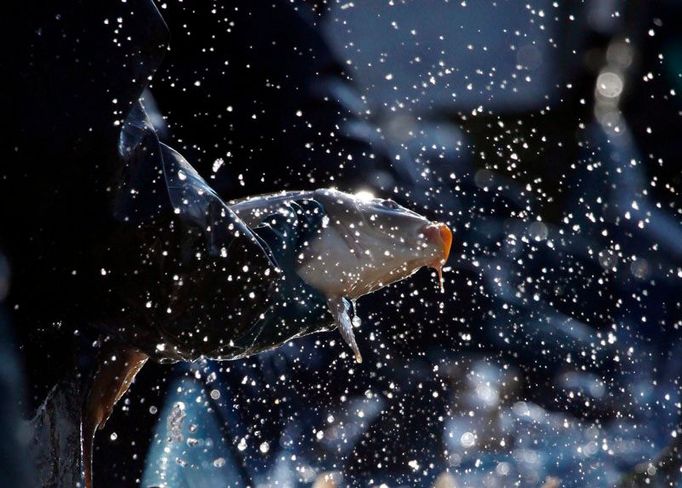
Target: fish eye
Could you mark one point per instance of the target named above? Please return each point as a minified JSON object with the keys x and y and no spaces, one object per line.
{"x":391,"y":204}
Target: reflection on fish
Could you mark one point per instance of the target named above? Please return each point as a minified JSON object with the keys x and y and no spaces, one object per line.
{"x":365,"y":243}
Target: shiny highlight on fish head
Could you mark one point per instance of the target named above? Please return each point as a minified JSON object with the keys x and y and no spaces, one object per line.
{"x":367,"y":243}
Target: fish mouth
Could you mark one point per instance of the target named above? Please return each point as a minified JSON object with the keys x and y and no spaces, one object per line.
{"x":440,"y":235}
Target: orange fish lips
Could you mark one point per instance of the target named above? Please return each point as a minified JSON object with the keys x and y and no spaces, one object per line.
{"x":441,"y":235}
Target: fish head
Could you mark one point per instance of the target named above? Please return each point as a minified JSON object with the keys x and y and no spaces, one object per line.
{"x":367,"y":243}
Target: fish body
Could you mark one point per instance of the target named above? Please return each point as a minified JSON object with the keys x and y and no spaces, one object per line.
{"x":364,"y":244}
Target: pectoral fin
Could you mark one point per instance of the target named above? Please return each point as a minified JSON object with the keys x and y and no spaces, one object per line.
{"x":340,"y":309}
{"x":116,"y":370}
